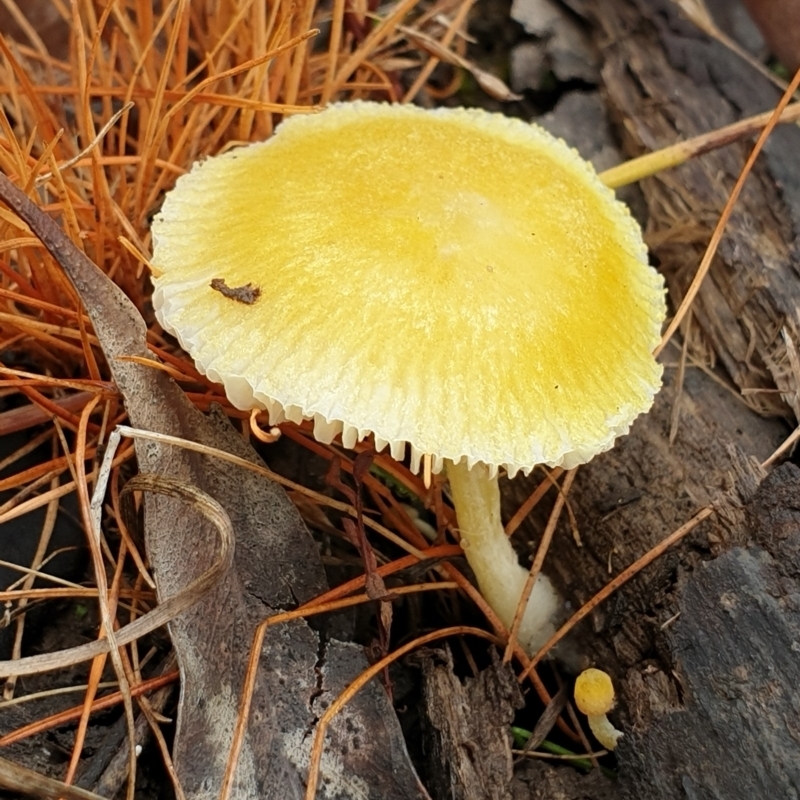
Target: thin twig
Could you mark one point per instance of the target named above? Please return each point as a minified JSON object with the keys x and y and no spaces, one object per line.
{"x":538,"y":561}
{"x":612,"y":586}
{"x":716,"y":236}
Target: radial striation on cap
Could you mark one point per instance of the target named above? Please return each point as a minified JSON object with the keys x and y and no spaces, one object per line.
{"x":454,"y":280}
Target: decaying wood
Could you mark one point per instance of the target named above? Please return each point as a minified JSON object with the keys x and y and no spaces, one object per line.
{"x":630,"y":498}
{"x":735,"y":649}
{"x":470,"y":730}
{"x":536,"y":780}
{"x":666,"y":81}
{"x":732,"y":645}
{"x":468,"y":743}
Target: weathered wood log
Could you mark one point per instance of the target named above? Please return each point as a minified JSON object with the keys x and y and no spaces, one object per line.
{"x":663,"y":80}
{"x":735,"y":650}
{"x":469,"y":731}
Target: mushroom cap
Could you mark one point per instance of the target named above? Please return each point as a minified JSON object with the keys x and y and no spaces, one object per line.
{"x":594,"y":692}
{"x":452,"y":279}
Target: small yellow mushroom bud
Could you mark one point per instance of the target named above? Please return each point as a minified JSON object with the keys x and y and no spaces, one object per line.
{"x":594,"y":696}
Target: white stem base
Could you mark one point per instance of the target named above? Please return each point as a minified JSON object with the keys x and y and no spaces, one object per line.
{"x":500,"y":576}
{"x":604,"y":731}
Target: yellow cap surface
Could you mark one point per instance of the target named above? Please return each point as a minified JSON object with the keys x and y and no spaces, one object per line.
{"x":594,"y":692}
{"x":452,"y":279}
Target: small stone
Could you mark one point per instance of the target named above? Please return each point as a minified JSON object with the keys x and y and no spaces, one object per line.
{"x":538,"y":17}
{"x":571,"y":53}
{"x":528,"y":66}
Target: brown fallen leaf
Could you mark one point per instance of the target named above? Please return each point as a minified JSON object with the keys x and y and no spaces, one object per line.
{"x":276,"y":564}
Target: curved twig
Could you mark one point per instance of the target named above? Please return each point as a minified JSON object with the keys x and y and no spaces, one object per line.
{"x":168,"y":609}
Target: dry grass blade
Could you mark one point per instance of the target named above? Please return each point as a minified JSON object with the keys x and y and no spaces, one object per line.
{"x":63,"y":690}
{"x":785,"y":446}
{"x":536,"y":495}
{"x":615,"y":584}
{"x":439,"y":51}
{"x":652,"y":163}
{"x":107,"y":605}
{"x":170,"y":607}
{"x":15,"y":778}
{"x":10,"y":595}
{"x":71,"y":162}
{"x":545,"y":723}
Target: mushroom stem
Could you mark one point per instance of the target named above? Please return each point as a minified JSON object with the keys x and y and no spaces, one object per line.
{"x":500,"y":576}
{"x":604,"y":731}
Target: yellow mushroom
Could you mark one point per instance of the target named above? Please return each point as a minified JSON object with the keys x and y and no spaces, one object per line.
{"x":452,"y":281}
{"x":594,"y":696}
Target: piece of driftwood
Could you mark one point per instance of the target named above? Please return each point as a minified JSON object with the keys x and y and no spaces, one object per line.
{"x":469,"y":730}
{"x":735,"y":649}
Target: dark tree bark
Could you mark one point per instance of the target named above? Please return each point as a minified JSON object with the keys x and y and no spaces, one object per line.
{"x":735,"y":651}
